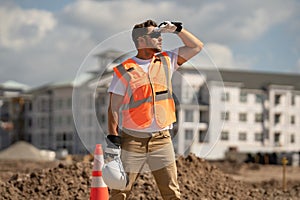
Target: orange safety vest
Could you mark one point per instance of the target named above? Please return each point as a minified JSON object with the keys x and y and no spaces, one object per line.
{"x":147,"y":95}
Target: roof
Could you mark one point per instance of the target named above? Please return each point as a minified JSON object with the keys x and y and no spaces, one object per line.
{"x":80,"y":80}
{"x":14,"y":85}
{"x":258,"y":80}
{"x":250,"y":79}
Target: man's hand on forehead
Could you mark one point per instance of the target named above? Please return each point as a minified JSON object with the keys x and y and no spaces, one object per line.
{"x":169,"y":27}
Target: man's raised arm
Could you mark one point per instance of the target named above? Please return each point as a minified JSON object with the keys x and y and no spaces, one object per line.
{"x":192,"y":46}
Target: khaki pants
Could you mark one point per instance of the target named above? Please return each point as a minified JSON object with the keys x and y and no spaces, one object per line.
{"x":149,"y":152}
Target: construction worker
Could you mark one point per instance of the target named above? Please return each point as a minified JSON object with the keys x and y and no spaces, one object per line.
{"x":141,"y":110}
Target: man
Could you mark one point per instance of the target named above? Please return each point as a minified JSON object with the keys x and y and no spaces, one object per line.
{"x":142,"y":110}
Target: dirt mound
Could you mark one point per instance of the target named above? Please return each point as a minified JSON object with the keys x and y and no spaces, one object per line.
{"x":198,"y":180}
{"x":24,"y":151}
{"x":63,"y":181}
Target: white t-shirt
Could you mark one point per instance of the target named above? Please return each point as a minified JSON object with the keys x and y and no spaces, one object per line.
{"x":117,"y":87}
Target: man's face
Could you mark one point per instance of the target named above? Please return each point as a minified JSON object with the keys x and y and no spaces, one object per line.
{"x":153,"y":40}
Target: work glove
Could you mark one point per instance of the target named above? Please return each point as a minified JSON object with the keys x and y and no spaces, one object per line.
{"x":112,"y":149}
{"x":170,"y":27}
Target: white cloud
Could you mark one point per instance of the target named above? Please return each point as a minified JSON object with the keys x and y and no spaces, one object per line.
{"x":215,"y":21}
{"x":50,"y":51}
{"x":22,"y":28}
{"x":219,"y":56}
{"x":115,"y":16}
{"x":43,"y":46}
{"x":242,"y":20}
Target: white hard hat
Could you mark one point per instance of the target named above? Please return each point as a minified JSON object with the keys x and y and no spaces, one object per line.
{"x":114,"y":174}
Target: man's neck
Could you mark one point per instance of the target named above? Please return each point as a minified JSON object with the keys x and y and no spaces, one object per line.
{"x":145,"y":54}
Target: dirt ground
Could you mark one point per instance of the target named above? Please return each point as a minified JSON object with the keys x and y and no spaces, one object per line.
{"x":254,"y":173}
{"x":198,"y":179}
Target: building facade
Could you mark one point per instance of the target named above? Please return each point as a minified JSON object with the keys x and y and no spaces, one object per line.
{"x":216,"y":111}
{"x":251,"y":112}
{"x":12,"y":111}
{"x":50,"y":118}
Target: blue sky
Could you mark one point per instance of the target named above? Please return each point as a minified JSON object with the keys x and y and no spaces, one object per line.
{"x":45,"y":41}
{"x":53,"y":5}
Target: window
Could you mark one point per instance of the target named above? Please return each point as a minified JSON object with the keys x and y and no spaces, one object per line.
{"x":38,"y":124}
{"x":188,"y":114}
{"x":277,"y":99}
{"x":59,"y":103}
{"x":259,"y":117}
{"x":43,"y":139}
{"x":292,"y":119}
{"x":242,"y":136}
{"x":203,"y":136}
{"x":292,"y":139}
{"x":44,"y":105}
{"x":29,"y":122}
{"x":277,"y":139}
{"x":189,"y":134}
{"x":243,"y":117}
{"x":69,"y":102}
{"x":258,"y":137}
{"x":258,"y":98}
{"x":224,"y":135}
{"x":204,"y":116}
{"x":243,"y":97}
{"x":225,"y":116}
{"x":29,"y":106}
{"x":42,"y":122}
{"x":70,"y":136}
{"x":69,"y":120}
{"x":225,"y":96}
{"x":59,"y":121}
{"x":277,"y":118}
{"x":67,"y":136}
{"x":293,"y":100}
{"x":59,"y":137}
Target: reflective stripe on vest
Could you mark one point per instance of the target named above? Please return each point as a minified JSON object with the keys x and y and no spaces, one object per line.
{"x":147,"y":95}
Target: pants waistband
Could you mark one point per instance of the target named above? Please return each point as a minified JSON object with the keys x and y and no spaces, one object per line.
{"x":141,"y":134}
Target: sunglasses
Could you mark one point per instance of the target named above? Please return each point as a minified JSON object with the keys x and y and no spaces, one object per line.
{"x":154,"y":34}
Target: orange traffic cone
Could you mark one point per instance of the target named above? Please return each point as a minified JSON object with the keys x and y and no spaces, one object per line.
{"x":99,"y":190}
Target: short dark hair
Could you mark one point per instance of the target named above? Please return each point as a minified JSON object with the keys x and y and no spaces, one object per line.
{"x":141,"y":29}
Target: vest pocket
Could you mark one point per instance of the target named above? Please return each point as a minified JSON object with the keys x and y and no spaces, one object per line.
{"x":141,"y":89}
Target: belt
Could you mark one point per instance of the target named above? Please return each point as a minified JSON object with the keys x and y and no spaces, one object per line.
{"x":140,"y":134}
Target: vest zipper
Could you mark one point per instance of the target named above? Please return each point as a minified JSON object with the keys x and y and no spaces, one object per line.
{"x":153,"y":94}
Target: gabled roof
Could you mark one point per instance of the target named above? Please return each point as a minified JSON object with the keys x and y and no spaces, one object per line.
{"x":13,"y":85}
